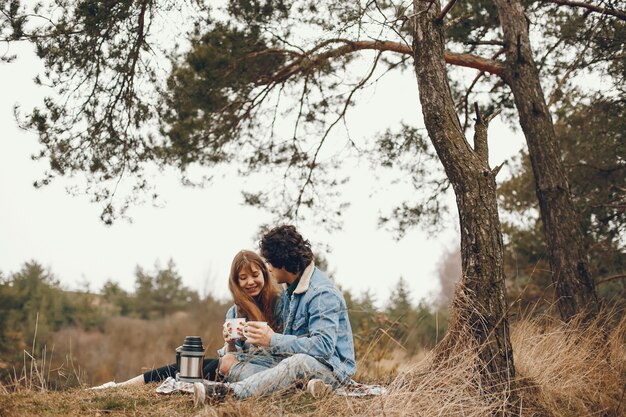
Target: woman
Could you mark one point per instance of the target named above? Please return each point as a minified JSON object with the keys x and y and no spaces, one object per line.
{"x":257,"y":298}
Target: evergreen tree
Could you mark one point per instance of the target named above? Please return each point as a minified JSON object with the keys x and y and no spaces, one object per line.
{"x":114,"y":294}
{"x":32,"y":305}
{"x":399,"y":305}
{"x":161,"y":293}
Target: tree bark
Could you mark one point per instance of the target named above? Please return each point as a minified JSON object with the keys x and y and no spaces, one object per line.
{"x":479,"y":314}
{"x":574,"y":286}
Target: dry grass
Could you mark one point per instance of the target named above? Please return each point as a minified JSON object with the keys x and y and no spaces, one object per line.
{"x":572,"y":370}
{"x":130,"y":346}
{"x":563,"y":370}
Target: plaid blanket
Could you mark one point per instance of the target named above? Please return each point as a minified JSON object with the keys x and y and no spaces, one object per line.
{"x":352,"y":389}
{"x":355,"y":389}
{"x":171,"y":385}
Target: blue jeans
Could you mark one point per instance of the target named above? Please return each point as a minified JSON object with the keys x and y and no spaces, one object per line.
{"x":295,"y":368}
{"x":249,"y":364}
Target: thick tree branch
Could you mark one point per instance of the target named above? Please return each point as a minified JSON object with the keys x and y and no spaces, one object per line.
{"x":591,"y":7}
{"x":476,"y":62}
{"x":304,"y":63}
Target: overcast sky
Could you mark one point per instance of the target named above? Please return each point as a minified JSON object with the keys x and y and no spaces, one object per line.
{"x":201,"y":229}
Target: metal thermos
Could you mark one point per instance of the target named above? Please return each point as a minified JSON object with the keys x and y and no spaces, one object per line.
{"x":189,"y":359}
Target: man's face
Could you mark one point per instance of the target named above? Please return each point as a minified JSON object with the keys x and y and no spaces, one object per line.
{"x":281,"y":275}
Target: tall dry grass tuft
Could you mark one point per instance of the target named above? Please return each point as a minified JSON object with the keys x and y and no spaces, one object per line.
{"x":451,"y":389}
{"x":562,"y":370}
{"x":37,"y":372}
{"x":571,"y":369}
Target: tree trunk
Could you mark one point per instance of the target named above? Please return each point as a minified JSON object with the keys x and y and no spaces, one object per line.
{"x":574,"y":286}
{"x":479,"y":319}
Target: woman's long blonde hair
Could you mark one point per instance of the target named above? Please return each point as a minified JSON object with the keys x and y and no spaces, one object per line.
{"x":261,"y":307}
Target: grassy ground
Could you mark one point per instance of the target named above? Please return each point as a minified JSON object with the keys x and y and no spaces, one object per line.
{"x":562,"y":371}
{"x":131,"y":401}
{"x":144,"y":401}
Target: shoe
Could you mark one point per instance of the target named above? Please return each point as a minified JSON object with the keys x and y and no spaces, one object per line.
{"x":110,"y":384}
{"x":215,"y":392}
{"x":318,"y":389}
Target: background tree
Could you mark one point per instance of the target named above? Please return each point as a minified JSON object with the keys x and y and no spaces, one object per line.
{"x":591,"y":34}
{"x":161,"y":293}
{"x":591,"y":137}
{"x":574,"y":285}
{"x":415,"y":327}
{"x":114,"y":294}
{"x":32,"y":307}
{"x":399,"y":304}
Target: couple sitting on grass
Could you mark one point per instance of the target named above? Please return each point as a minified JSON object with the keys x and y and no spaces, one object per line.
{"x":308,"y":340}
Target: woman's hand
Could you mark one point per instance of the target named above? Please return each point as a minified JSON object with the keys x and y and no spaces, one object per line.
{"x":227,"y":339}
{"x":258,"y":334}
{"x":225,"y":335}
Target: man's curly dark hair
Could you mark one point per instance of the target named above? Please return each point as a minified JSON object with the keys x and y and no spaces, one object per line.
{"x":283,"y":246}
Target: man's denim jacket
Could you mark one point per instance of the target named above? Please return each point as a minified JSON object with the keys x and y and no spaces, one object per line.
{"x":316,"y":323}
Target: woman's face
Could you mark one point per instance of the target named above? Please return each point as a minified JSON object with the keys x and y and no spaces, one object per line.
{"x":250,"y":279}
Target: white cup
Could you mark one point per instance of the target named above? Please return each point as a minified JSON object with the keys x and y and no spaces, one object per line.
{"x":235,"y":327}
{"x":257,"y":323}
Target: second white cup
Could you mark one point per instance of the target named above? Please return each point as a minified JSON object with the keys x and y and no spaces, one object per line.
{"x":257,"y":323}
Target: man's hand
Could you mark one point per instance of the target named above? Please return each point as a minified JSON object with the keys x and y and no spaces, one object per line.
{"x":258,"y":333}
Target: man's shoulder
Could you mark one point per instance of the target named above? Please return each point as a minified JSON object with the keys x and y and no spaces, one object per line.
{"x":320,"y":279}
{"x":321,"y":283}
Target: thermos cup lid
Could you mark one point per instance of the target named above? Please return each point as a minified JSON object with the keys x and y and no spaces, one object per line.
{"x":193,"y":344}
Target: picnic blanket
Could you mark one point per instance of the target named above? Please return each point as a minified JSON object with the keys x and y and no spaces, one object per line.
{"x":171,"y":385}
{"x":356,"y":389}
{"x":352,"y":389}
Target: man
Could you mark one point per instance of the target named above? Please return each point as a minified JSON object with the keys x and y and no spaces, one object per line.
{"x":317,"y":335}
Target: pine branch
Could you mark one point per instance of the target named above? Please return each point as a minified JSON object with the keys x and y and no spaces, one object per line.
{"x":591,"y":7}
{"x":445,"y":11}
{"x":613,"y":278}
{"x":304,"y":62}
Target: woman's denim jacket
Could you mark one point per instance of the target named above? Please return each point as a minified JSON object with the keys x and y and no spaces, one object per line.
{"x":316,"y":323}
